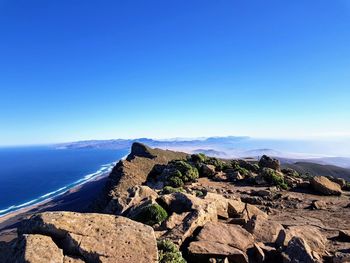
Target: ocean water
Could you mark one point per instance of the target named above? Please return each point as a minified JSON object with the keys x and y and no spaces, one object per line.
{"x":30,"y":175}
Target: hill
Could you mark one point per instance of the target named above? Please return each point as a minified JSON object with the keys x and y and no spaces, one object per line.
{"x":319,"y":169}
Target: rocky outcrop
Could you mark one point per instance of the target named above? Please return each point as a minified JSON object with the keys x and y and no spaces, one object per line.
{"x":130,"y":172}
{"x":92,"y":237}
{"x":325,"y":186}
{"x":268,"y":162}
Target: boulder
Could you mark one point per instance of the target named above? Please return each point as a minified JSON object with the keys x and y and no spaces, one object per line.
{"x":324,"y":186}
{"x":340,"y":181}
{"x":298,"y":251}
{"x":181,"y":202}
{"x":175,"y":220}
{"x":221,"y":240}
{"x":195,"y":218}
{"x":96,"y":237}
{"x":232,"y":235}
{"x":318,"y":205}
{"x":220,"y":177}
{"x":37,"y":249}
{"x":135,"y":195}
{"x":204,"y":251}
{"x":237,"y":208}
{"x":220,"y":202}
{"x":265,"y":231}
{"x":310,"y":234}
{"x":208,"y":170}
{"x":233,"y":175}
{"x":268,"y":162}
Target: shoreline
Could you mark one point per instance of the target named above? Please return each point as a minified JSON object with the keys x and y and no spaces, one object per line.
{"x":61,"y":198}
{"x":75,"y":199}
{"x":105,"y":168}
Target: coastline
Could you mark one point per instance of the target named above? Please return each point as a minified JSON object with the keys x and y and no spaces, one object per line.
{"x":75,"y":199}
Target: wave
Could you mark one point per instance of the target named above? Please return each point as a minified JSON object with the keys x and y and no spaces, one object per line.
{"x":104,"y":168}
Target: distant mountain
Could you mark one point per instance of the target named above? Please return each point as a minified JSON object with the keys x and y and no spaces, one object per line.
{"x":289,"y":151}
{"x":218,"y":142}
{"x":319,"y":169}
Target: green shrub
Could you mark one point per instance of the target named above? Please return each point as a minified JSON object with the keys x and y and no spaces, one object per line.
{"x":175,"y":181}
{"x":274,"y":178}
{"x":170,"y":190}
{"x":189,"y":173}
{"x":290,"y":172}
{"x":219,"y":165}
{"x":252,"y":167}
{"x":243,"y":171}
{"x":180,"y":172}
{"x":169,"y":253}
{"x":198,"y":158}
{"x":151,"y":214}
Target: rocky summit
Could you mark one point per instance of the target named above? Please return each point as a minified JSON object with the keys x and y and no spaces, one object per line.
{"x":172,"y":207}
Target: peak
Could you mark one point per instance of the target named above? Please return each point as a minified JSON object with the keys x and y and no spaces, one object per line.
{"x":140,"y":150}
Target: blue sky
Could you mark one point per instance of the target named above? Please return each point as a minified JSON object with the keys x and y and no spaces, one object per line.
{"x":72,"y":70}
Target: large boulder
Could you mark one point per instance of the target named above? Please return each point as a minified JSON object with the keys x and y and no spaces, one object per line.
{"x":265,"y":231}
{"x":221,"y":203}
{"x":96,"y":237}
{"x":325,"y":186}
{"x":181,"y":202}
{"x":311,"y":235}
{"x":268,"y":162}
{"x":207,"y":170}
{"x":221,"y":240}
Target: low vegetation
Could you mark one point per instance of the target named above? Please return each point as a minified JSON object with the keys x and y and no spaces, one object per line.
{"x":151,"y":214}
{"x":169,"y":253}
{"x":170,"y":190}
{"x":274,"y":177}
{"x":179,"y":172}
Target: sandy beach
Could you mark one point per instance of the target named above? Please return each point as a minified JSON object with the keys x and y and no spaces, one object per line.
{"x":76,"y":199}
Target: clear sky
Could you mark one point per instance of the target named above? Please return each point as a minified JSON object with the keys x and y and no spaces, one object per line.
{"x":79,"y":69}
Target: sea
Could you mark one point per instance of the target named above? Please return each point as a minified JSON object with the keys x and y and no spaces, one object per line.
{"x":30,"y":175}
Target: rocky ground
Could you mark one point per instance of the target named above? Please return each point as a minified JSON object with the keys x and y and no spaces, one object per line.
{"x":169,"y":207}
